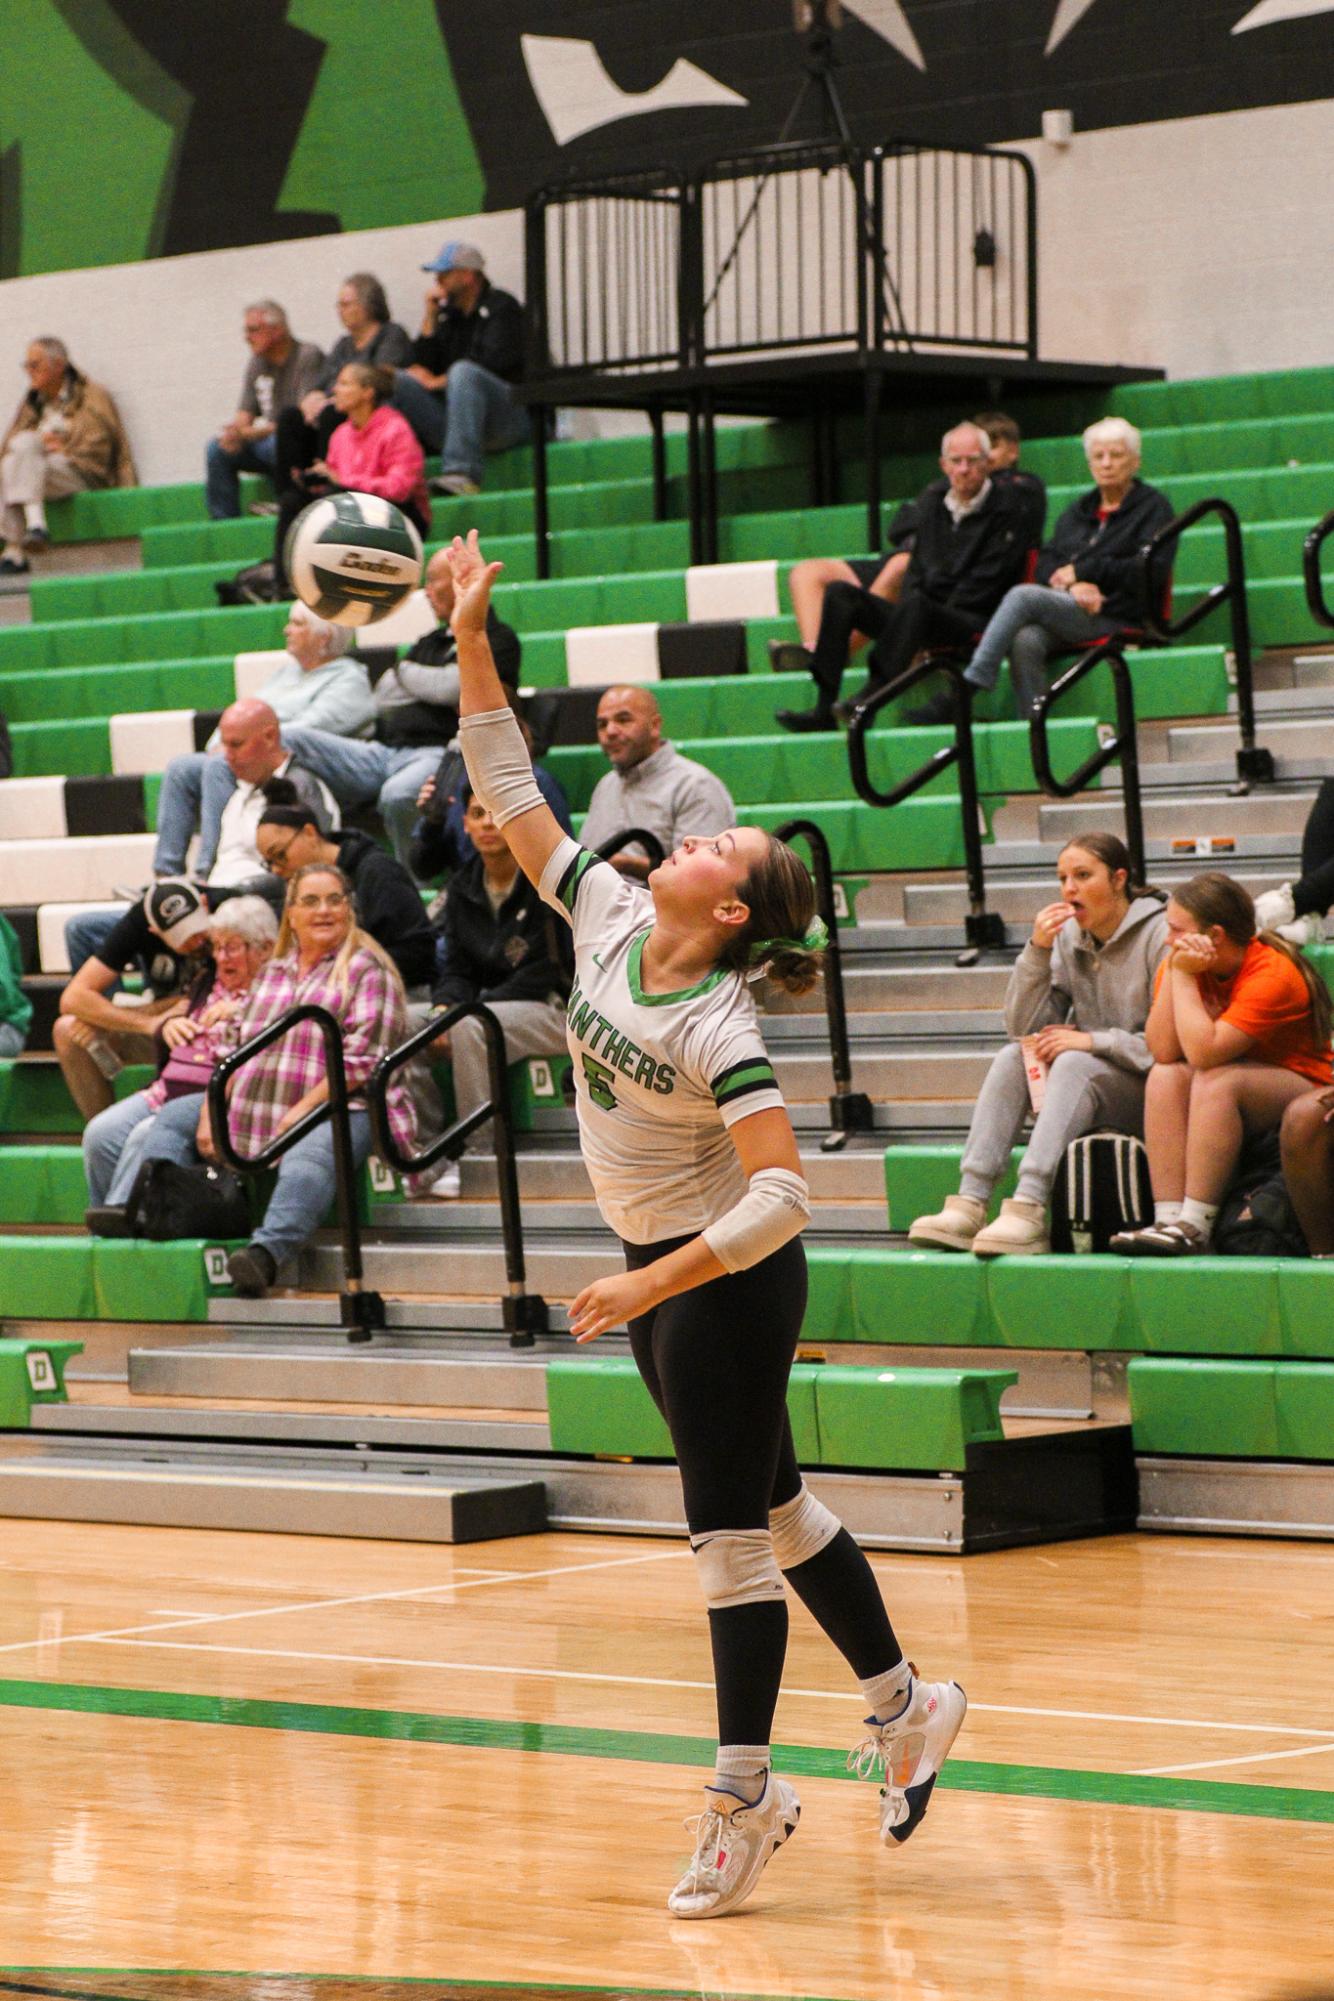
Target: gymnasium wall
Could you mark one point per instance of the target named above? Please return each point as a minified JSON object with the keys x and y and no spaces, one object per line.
{"x":164,"y":161}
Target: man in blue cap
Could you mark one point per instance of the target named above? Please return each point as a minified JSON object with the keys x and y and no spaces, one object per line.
{"x":468,"y":355}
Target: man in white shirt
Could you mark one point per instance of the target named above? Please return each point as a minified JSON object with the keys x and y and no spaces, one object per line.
{"x":650,"y":784}
{"x":252,"y":745}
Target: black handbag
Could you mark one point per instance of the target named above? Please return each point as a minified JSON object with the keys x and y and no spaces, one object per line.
{"x":169,"y":1201}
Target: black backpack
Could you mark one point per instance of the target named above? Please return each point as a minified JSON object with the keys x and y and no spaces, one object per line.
{"x":169,"y":1201}
{"x":1103,"y":1187}
{"x":1257,"y":1219}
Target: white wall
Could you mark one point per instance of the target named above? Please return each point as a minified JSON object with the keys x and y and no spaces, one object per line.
{"x":1204,"y":246}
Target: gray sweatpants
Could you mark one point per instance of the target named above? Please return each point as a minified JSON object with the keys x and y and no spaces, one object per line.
{"x":1083,"y":1092}
{"x":532,"y":1028}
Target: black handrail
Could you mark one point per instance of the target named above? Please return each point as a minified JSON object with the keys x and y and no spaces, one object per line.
{"x":361,"y":1310}
{"x":1315,"y":583}
{"x":1255,"y":765}
{"x":613,"y":844}
{"x":849,"y":1110}
{"x":984,"y":929}
{"x":1123,"y":745}
{"x":524,"y":1313}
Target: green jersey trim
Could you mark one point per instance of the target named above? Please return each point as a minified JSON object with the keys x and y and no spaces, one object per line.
{"x":754,"y":1074}
{"x":641,"y":999}
{"x":567,"y":889}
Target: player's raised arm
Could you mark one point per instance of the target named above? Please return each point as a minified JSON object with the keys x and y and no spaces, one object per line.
{"x":492,"y":743}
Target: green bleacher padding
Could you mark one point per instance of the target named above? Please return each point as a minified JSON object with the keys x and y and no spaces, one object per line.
{"x":111,"y":513}
{"x":141,"y":1281}
{"x":599,"y":1406}
{"x":1062,"y":1302}
{"x":828,"y":1293}
{"x":32,"y":1372}
{"x":1204,"y":446}
{"x":924,"y":833}
{"x":33,"y":1099}
{"x":1207,"y":1306}
{"x":1304,"y":1400}
{"x":99,"y":692}
{"x":1305,"y":1307}
{"x":42,"y":1184}
{"x":907,"y":1420}
{"x":66,"y":749}
{"x":1214,"y":1409}
{"x":918,"y":1178}
{"x":918,"y":1298}
{"x":47,"y":1278}
{"x":134,"y":1077}
{"x":1322,"y":958}
{"x":1226,"y":398}
{"x":537,"y":1084}
{"x":168,"y":635}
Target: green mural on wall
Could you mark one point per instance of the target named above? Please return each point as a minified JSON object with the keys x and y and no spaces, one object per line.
{"x":144,"y":128}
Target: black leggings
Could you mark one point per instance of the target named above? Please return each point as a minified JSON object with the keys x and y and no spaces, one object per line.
{"x":716,"y":1362}
{"x":1313,"y":894}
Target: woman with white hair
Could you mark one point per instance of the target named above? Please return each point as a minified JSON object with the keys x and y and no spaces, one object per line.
{"x":1088,"y":577}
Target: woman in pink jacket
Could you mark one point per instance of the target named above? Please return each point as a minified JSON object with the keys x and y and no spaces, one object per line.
{"x":373,"y":450}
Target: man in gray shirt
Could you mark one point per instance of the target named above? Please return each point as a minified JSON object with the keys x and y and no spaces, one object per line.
{"x":281,"y":370}
{"x":650,"y":784}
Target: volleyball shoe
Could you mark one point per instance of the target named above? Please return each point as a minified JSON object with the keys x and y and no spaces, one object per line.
{"x":909,"y":1751}
{"x":733,"y":1842}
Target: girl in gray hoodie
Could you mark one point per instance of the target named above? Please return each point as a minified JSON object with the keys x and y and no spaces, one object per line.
{"x":1082,"y":988}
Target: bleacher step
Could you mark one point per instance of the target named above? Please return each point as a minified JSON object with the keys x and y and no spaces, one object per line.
{"x":1248,"y":1497}
{"x":331,"y":1371}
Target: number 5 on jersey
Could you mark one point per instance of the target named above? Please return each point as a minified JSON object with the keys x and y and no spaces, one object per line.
{"x":598,"y":1079}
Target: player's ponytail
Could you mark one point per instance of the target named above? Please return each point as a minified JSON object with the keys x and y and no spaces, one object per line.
{"x":782,"y":937}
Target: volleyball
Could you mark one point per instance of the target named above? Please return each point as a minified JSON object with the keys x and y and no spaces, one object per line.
{"x":353,"y":557}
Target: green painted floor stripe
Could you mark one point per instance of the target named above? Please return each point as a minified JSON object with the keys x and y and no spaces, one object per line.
{"x":652,"y":1748}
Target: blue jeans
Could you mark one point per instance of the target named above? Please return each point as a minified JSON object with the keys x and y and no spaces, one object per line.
{"x":1030,"y":623}
{"x":424,"y":409}
{"x":480,"y":415}
{"x":112,"y":1148}
{"x":366,"y":774}
{"x":195,"y":789}
{"x":222,"y":474}
{"x":306,"y":1180}
{"x":86,"y":935}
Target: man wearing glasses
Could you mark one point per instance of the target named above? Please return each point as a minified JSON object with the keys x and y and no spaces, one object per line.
{"x":281,"y":370}
{"x":972,"y":540}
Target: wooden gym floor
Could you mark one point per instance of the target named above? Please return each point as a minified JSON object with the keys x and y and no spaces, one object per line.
{"x":267,"y":1768}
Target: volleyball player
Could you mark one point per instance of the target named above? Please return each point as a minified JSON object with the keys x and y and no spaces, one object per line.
{"x":694,"y":1164}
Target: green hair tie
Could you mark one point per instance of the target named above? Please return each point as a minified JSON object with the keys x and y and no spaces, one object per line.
{"x":815,"y":940}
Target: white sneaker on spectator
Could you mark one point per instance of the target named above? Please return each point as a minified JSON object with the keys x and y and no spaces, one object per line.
{"x":733,"y":1842}
{"x":1274,"y":908}
{"x":910,"y":1751}
{"x":453,"y":482}
{"x":448,"y":1183}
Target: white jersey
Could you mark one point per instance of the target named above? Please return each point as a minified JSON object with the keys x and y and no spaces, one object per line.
{"x":659,"y":1077}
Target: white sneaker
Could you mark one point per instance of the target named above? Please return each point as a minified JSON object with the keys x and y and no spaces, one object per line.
{"x":448,"y":1184}
{"x":952,"y":1228}
{"x":1274,"y":908}
{"x":732,"y":1844}
{"x":1302,"y":930}
{"x":910,"y":1752}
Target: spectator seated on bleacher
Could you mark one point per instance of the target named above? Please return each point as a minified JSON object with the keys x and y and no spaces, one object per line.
{"x":15,"y":1007}
{"x":372,"y":450}
{"x":499,"y":944}
{"x":650,"y":784}
{"x":467,"y":358}
{"x":93,"y":1037}
{"x":1081,"y":990}
{"x":416,"y":718}
{"x":321,"y":684}
{"x":369,"y":335}
{"x":1239,"y":1028}
{"x":1307,"y":1140}
{"x":192,"y":1040}
{"x":281,"y":370}
{"x":440,"y":841}
{"x":883,"y":575}
{"x":323,"y":957}
{"x":1296,"y":910}
{"x":388,"y":902}
{"x":1088,"y":575}
{"x":66,"y":436}
{"x":971,"y":540}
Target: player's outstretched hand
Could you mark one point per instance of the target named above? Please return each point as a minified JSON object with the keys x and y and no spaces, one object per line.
{"x":473,"y":578}
{"x":609,"y":1302}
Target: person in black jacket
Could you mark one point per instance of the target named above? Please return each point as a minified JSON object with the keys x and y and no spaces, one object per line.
{"x":502,"y":946}
{"x":1089,"y":580}
{"x":389,"y":904}
{"x":468,"y":356}
{"x":971,"y":540}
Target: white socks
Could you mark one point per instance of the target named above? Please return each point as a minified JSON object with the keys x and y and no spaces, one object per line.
{"x":1167,"y":1212}
{"x":13,"y":552}
{"x":1201,"y":1215}
{"x":34,"y":514}
{"x":887,"y":1695}
{"x":742,"y":1769}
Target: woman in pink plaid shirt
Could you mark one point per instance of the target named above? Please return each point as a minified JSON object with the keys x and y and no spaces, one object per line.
{"x":322,"y":956}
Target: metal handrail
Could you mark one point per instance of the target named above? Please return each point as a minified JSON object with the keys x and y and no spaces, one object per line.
{"x":1255,"y":765}
{"x":1123,"y":745}
{"x":849,"y":1110}
{"x":984,"y":929}
{"x":361,"y":1310}
{"x":524,"y":1313}
{"x":1315,"y":583}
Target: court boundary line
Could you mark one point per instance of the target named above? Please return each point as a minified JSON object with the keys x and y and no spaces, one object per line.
{"x":1212,"y":1764}
{"x":1291,"y":1804}
{"x":667,"y":1681}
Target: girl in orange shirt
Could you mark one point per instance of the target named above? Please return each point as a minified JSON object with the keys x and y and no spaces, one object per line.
{"x":1239,"y":1027}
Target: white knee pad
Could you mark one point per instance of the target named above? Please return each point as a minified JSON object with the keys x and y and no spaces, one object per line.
{"x":801,"y":1528}
{"x":737,"y":1567}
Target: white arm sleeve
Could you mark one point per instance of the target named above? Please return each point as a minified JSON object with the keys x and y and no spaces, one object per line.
{"x":774,"y":1209}
{"x":498,"y":764}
